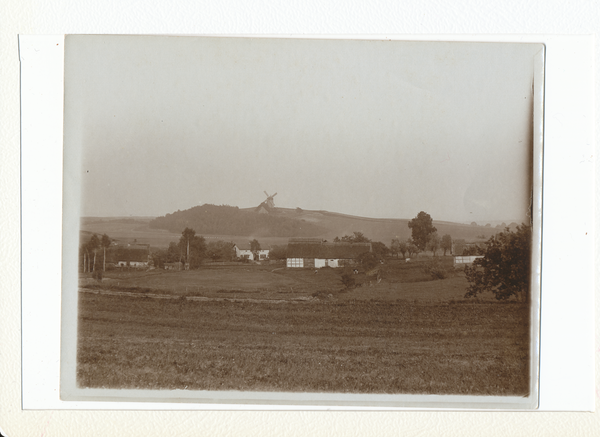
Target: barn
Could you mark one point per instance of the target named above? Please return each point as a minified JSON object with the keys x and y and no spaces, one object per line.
{"x":130,"y":255}
{"x":316,"y":253}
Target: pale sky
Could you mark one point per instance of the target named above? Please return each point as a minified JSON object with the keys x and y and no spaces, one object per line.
{"x":371,"y":128}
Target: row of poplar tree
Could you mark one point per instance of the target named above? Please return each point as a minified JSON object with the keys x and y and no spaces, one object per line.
{"x":89,"y":252}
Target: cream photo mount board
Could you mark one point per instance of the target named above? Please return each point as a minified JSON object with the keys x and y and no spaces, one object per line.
{"x":154,"y":119}
{"x":187,"y":405}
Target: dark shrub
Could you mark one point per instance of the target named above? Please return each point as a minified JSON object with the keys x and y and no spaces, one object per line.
{"x":348,"y":280}
{"x":435,"y":268}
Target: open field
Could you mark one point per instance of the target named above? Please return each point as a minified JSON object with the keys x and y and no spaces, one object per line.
{"x":355,"y":347}
{"x":294,"y":330}
{"x":400,"y":280}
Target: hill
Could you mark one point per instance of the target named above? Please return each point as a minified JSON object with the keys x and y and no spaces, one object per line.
{"x":382,"y":229}
{"x":231,"y":220}
{"x":270,"y":229}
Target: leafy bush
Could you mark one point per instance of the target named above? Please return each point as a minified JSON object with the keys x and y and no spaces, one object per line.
{"x":473,"y":249}
{"x":368,"y":260}
{"x":505,"y":267}
{"x":348,"y":280}
{"x":436,"y":269}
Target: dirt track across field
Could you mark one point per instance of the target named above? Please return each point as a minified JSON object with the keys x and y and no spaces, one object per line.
{"x":192,"y":298}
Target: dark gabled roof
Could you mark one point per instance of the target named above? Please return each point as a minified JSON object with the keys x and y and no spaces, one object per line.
{"x":327,"y":250}
{"x":133,"y":253}
{"x":306,"y":240}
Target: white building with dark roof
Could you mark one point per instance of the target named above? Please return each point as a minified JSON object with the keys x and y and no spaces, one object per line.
{"x":315,"y":253}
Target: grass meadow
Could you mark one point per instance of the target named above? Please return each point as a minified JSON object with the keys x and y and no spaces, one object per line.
{"x":267,"y":328}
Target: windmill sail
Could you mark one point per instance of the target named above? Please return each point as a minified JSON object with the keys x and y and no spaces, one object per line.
{"x":270,"y":203}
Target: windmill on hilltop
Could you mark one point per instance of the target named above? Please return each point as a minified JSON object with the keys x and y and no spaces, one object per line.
{"x":269,"y":200}
{"x":267,"y":205}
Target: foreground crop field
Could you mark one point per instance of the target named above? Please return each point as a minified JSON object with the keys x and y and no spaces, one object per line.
{"x":394,"y":337}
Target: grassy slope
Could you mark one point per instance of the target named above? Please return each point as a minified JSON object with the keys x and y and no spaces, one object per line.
{"x":400,"y":281}
{"x":383,"y":230}
{"x":339,"y":224}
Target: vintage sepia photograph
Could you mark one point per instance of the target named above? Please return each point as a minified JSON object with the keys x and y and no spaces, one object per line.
{"x":301,"y":220}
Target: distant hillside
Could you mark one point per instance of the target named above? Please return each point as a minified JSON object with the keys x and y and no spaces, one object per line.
{"x":381,"y":229}
{"x":238,"y":225}
{"x":231,"y":220}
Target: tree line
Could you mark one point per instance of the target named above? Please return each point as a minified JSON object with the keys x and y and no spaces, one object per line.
{"x":504,"y":266}
{"x":192,"y":250}
{"x":88,"y":253}
{"x":424,"y":237}
{"x":503,"y":269}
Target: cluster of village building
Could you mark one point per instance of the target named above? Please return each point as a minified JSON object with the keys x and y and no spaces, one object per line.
{"x":301,"y":253}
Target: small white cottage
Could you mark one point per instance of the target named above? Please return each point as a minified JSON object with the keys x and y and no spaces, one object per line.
{"x":263,"y":254}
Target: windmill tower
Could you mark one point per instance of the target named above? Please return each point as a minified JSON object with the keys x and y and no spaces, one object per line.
{"x":267,"y":205}
{"x":270,"y":203}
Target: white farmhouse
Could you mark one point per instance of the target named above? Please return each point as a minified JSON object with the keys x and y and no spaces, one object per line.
{"x":263,"y":254}
{"x":315,"y":253}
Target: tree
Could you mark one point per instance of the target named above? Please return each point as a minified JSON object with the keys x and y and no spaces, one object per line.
{"x":411,"y":248}
{"x":446,"y":243}
{"x":395,"y":247}
{"x":380,"y":249}
{"x":93,"y":246}
{"x":403,"y":247}
{"x":368,"y":260}
{"x":174,"y":253}
{"x":356,"y":237}
{"x":422,"y":227}
{"x":505,"y":267}
{"x":398,"y":246}
{"x":83,"y":250}
{"x":187,"y":237}
{"x":433,"y":243}
{"x":472,"y":249}
{"x":158,"y":258}
{"x":255,"y":248}
{"x":104,"y":242}
{"x":170,"y":255}
{"x":192,"y":248}
{"x":254,"y":245}
{"x":220,"y":250}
